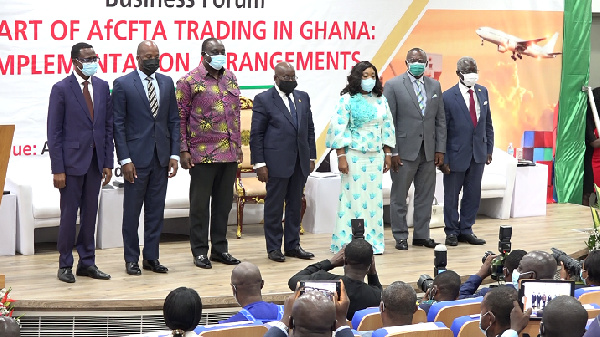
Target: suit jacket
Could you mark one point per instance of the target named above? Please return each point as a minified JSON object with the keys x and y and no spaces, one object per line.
{"x":276,"y":332}
{"x":274,"y":139}
{"x":71,"y":132}
{"x":464,"y":140}
{"x":137,"y":133}
{"x":412,"y":127}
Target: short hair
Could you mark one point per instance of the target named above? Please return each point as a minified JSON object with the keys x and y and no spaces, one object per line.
{"x":359,"y":251}
{"x":499,"y":301}
{"x":592,"y":266}
{"x":399,"y":298}
{"x":540,"y":262}
{"x":355,"y":78}
{"x":76,"y":49}
{"x":418,"y":50}
{"x":182,"y":309}
{"x":207,"y":41}
{"x":513,"y":258}
{"x":564,"y":316}
{"x":462,"y":62}
{"x":448,"y":284}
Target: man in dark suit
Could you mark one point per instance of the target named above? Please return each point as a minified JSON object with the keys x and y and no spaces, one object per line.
{"x":282,"y":146}
{"x":418,"y":110}
{"x":468,"y":149}
{"x":80,"y":134}
{"x":146,"y":128}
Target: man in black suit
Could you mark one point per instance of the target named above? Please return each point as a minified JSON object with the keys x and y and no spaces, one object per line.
{"x":146,"y":130}
{"x":282,"y":146}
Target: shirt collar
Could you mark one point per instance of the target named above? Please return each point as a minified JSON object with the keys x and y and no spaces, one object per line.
{"x":414,"y":79}
{"x":464,"y":89}
{"x":204,"y":72}
{"x":143,"y":75}
{"x":80,"y":79}
{"x":281,"y":93}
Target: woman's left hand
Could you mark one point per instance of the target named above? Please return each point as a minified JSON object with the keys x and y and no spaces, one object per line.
{"x":387,"y":163}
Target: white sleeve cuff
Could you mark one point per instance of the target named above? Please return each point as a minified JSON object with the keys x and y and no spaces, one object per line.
{"x":341,"y":328}
{"x":176,"y":157}
{"x":394,"y":154}
{"x":259,"y":165}
{"x":279,"y":325}
{"x":125,"y":161}
{"x":509,"y":333}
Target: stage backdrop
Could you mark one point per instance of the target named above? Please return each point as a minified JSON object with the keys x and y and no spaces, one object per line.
{"x":323,"y":39}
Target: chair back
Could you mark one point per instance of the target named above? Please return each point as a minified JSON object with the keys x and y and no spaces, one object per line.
{"x":589,"y":297}
{"x":245,"y":124}
{"x":369,"y":319}
{"x":447,"y":311}
{"x":532,"y":329}
{"x":470,"y":329}
{"x":236,"y":331}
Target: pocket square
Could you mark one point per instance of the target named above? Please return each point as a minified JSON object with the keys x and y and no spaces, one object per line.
{"x":434,"y":96}
{"x":485,"y":103}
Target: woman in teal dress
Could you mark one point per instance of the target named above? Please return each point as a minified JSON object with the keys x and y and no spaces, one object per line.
{"x":362,"y":133}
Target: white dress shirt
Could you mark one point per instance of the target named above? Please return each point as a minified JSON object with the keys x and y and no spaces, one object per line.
{"x":464,"y":90}
{"x":80,"y":80}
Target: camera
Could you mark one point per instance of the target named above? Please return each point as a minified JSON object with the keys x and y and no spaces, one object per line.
{"x":358,"y":228}
{"x":425,"y":282}
{"x":504,"y":247}
{"x":440,"y":259}
{"x":572,"y":266}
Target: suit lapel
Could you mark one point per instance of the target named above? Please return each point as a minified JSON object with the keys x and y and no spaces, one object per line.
{"x":298,"y":104}
{"x":163,"y":92}
{"x":279,"y":103}
{"x":411,"y":91}
{"x":76,"y":88}
{"x":98,"y":98}
{"x":139,"y":86}
{"x":460,"y":101}
{"x":481,"y":101}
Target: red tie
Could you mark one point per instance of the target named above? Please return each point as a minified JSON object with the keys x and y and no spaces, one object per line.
{"x":88,"y":98}
{"x":472,"y":108}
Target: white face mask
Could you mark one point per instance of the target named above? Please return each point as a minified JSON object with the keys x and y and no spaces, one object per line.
{"x":484,"y":331}
{"x":470,"y":79}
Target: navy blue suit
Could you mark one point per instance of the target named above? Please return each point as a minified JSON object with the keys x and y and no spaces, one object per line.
{"x":287,"y":148}
{"x":149,"y":142}
{"x":467,"y":147}
{"x":79,"y":147}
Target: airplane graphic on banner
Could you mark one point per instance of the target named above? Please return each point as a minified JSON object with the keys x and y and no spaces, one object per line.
{"x":518,"y":46}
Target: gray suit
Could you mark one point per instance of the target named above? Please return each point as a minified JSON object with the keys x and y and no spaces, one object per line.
{"x":418,"y":137}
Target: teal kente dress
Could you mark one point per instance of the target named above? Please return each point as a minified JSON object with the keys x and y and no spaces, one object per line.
{"x":362,"y":125}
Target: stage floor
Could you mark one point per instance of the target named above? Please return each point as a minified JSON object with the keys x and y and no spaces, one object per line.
{"x":35,"y":286}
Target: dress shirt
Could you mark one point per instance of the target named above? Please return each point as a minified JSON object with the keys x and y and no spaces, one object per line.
{"x":415,"y":83}
{"x":260,"y":310}
{"x":464,"y":90}
{"x":80,"y":80}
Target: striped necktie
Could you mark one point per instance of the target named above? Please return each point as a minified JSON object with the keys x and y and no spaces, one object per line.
{"x":421,"y":96}
{"x":152,"y":97}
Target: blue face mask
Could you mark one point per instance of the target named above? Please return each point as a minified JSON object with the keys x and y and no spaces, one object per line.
{"x":416,"y":68}
{"x":89,"y":69}
{"x":217,"y":61}
{"x":515,"y":278}
{"x":484,"y":331}
{"x":368,"y":84}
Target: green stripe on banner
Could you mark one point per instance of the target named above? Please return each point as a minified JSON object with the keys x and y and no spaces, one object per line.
{"x":570,"y":143}
{"x":251,"y":87}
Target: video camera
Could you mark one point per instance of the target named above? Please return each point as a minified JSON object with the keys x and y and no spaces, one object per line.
{"x":504,"y":247}
{"x":572,"y":266}
{"x":358,"y":228}
{"x":424,"y":283}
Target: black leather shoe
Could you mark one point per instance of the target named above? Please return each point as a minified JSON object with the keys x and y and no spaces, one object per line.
{"x":276,"y":256}
{"x":93,"y":272}
{"x":202,"y":262}
{"x":402,"y":245}
{"x":451,"y":240}
{"x":155,"y":266}
{"x":429,"y":243}
{"x":133,"y":268}
{"x":471,"y":239}
{"x":66,"y":275}
{"x":225,"y":258}
{"x":299,"y":253}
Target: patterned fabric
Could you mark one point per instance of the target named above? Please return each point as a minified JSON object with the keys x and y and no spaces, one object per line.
{"x":421,"y":96}
{"x":362,"y":124}
{"x":152,"y":97}
{"x":210,"y":115}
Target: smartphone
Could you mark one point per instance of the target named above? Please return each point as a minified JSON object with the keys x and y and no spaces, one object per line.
{"x":358,"y":228}
{"x":536,"y":294}
{"x":331,"y":288}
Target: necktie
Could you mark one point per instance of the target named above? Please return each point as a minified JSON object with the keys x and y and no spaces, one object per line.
{"x":472,"y":108}
{"x":88,"y":98}
{"x":152,"y":97}
{"x":421,"y":97}
{"x":292,"y":111}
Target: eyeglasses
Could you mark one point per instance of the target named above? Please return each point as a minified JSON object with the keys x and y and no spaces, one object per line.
{"x":469,"y":72}
{"x":288,"y":78}
{"x":88,"y":60}
{"x":416,"y":61}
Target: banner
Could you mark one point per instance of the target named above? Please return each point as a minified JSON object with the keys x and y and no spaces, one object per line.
{"x":512,"y":41}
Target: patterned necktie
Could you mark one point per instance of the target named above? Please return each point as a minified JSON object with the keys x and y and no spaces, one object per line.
{"x":152,"y":97}
{"x":472,"y":111}
{"x":421,"y":96}
{"x":88,"y":98}
{"x":293,"y":111}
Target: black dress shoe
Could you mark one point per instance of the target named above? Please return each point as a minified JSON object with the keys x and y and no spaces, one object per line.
{"x":299,"y":253}
{"x":225,"y":258}
{"x":471,"y":239}
{"x":66,"y":275}
{"x":402,"y":245}
{"x":451,"y":240}
{"x":155,"y":266}
{"x":429,"y":243}
{"x":93,"y":272}
{"x":202,"y":262}
{"x":276,"y":256}
{"x":133,"y":268}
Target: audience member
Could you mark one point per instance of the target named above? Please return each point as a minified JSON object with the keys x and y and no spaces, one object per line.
{"x":182,"y":311}
{"x":536,"y":265}
{"x":313,"y":314}
{"x":564,"y":316}
{"x":496,"y":309}
{"x":358,"y":262}
{"x":246,"y":284}
{"x":511,"y":262}
{"x":9,"y":327}
{"x":590,"y":270}
{"x":446,"y":287}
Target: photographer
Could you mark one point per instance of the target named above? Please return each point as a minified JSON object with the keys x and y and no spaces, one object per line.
{"x":590,"y":270}
{"x":445,"y":287}
{"x":468,"y":289}
{"x":358,"y":262}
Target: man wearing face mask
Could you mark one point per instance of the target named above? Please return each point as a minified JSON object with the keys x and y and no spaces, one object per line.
{"x":496,"y":309}
{"x":536,"y":265}
{"x":146,"y":125}
{"x":282,"y":145}
{"x":208,"y":98}
{"x":469,"y":148}
{"x":80,"y":135}
{"x":417,"y":108}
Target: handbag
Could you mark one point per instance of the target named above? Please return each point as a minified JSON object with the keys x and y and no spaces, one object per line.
{"x":437,"y":214}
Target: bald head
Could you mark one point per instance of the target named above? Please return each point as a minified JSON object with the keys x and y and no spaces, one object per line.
{"x":564,"y":316}
{"x":146,"y":46}
{"x":245,"y":273}
{"x":540,"y":263}
{"x":313,"y":313}
{"x":466,"y":64}
{"x":282,"y":68}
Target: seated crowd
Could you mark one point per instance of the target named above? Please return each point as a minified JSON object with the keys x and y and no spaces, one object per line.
{"x":310,"y":312}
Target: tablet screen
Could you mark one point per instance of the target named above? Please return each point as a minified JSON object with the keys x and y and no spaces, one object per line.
{"x":536,"y":294}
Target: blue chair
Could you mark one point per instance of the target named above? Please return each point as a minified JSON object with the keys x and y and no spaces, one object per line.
{"x":447,"y":311}
{"x":460,"y":326}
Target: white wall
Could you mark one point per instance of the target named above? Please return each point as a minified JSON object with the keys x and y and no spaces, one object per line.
{"x":595,"y":49}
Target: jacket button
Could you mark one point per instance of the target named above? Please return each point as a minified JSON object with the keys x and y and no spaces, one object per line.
{"x":420,"y":135}
{"x":91,"y":145}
